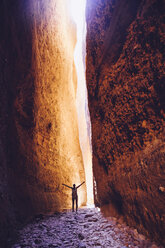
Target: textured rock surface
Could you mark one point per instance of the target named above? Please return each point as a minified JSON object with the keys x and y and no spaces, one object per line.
{"x":88,"y":228}
{"x":125,"y":80}
{"x":39,"y":135}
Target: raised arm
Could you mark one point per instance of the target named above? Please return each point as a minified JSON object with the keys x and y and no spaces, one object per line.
{"x":79,"y":185}
{"x":67,"y":186}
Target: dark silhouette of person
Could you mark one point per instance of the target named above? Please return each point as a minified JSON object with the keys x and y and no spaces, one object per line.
{"x":74,"y":195}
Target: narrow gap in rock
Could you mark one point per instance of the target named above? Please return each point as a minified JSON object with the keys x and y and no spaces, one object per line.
{"x":77,"y":9}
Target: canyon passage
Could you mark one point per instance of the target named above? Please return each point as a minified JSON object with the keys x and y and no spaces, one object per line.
{"x":40,"y":143}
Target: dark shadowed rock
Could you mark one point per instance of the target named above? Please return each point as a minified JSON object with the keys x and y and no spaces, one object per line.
{"x":126,"y":89}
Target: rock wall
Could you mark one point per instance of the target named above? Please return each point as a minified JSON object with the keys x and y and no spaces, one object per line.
{"x":125,"y":80}
{"x":38,"y":127}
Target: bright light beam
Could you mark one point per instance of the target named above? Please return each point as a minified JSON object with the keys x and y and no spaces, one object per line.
{"x":77,"y":11}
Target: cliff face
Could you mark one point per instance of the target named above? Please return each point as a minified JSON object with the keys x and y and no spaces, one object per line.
{"x":39,"y":134}
{"x":125,"y":80}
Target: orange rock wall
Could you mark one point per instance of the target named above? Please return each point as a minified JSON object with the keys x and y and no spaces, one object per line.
{"x":39,"y":130}
{"x":125,"y":80}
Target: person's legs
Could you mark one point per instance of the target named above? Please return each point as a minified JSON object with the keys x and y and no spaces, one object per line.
{"x":76,"y":203}
{"x":72,"y":204}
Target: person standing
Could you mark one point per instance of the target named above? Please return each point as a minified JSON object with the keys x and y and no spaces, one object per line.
{"x":74,"y":195}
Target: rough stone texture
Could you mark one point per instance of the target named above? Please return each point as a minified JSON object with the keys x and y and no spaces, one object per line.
{"x":125,"y":80}
{"x":87,"y":228}
{"x":38,"y":127}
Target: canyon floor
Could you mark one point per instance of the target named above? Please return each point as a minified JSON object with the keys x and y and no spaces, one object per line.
{"x":86,"y":228}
